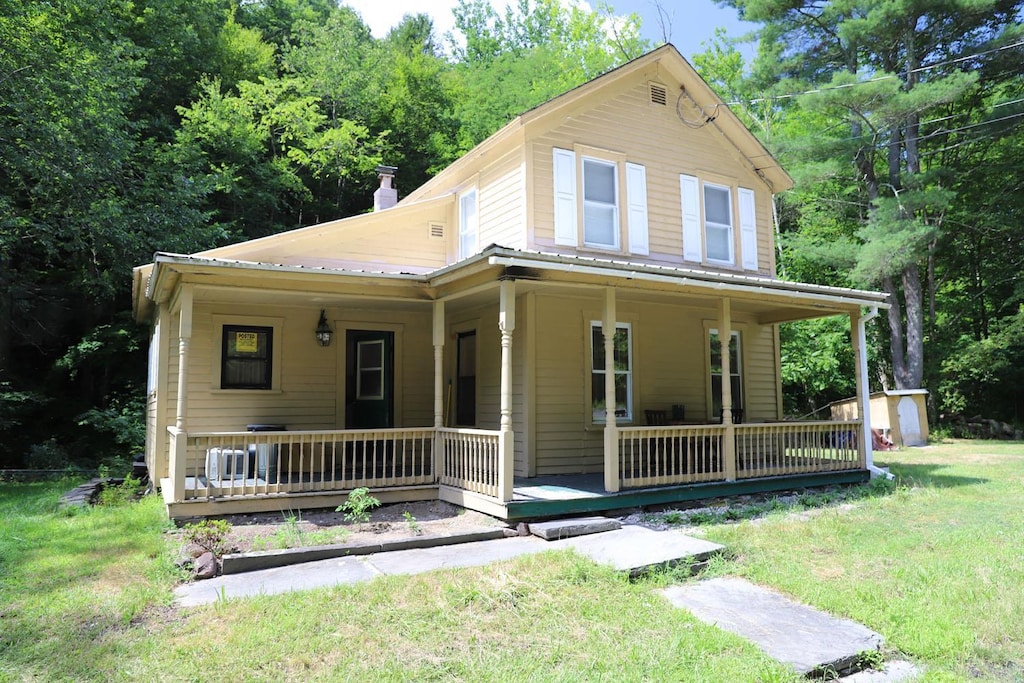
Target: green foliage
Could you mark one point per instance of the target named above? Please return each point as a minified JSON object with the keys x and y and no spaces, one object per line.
{"x":414,"y":525}
{"x":112,"y":495}
{"x":986,"y":376}
{"x":209,"y":534}
{"x":357,"y":507}
{"x":817,"y":364}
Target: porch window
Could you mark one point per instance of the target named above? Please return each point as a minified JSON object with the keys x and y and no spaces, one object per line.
{"x":469,"y":224}
{"x":735,"y":374}
{"x":623,"y":350}
{"x":718,"y":223}
{"x":600,"y":204}
{"x":246,"y":353}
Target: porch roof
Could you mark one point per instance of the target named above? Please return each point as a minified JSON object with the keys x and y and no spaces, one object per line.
{"x":787,"y":300}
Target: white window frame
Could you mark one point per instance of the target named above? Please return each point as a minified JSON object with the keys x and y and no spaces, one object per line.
{"x":729,"y":227}
{"x":615,"y":204}
{"x":469,"y":226}
{"x":595,"y":371}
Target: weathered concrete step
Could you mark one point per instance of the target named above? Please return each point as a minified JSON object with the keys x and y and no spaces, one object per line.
{"x":637,"y":549}
{"x":809,"y":640}
{"x":567,"y":528}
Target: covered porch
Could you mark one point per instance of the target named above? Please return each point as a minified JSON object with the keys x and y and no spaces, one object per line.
{"x":527,"y":317}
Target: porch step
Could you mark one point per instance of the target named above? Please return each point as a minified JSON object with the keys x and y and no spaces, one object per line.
{"x":567,"y":528}
{"x":811,"y":641}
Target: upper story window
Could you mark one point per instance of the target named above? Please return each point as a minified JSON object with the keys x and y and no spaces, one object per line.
{"x":469,"y":223}
{"x":600,"y":204}
{"x":600,"y":201}
{"x":718,"y":234}
{"x":246,"y":357}
{"x":712,"y":213}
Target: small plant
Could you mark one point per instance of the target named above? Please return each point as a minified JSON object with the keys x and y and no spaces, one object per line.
{"x":357,"y":507}
{"x":414,"y":526}
{"x":119,"y":494}
{"x":870,"y":659}
{"x":210,"y":535}
{"x":674,"y":517}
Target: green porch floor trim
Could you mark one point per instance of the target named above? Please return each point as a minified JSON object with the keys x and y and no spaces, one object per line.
{"x":533,"y":509}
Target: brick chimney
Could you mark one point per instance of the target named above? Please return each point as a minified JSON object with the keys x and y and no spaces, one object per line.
{"x":386,"y":195}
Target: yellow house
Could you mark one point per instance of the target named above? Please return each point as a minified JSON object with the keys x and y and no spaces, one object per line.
{"x":613,"y":246}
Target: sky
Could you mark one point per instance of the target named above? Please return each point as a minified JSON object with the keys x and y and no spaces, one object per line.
{"x":691,"y":21}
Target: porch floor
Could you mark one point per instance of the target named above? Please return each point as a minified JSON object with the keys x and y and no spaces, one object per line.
{"x":569,"y":494}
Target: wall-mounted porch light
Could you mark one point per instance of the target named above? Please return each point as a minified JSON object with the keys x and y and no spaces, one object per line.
{"x":323,"y":331}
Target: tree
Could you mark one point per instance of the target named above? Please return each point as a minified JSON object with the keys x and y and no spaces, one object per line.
{"x":887,"y":70}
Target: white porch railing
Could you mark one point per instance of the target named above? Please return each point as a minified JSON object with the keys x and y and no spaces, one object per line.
{"x":656,"y":456}
{"x":218,"y":464}
{"x":470,"y":460}
{"x":764,"y":450}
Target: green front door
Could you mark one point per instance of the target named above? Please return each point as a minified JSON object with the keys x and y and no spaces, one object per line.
{"x":369,"y":384}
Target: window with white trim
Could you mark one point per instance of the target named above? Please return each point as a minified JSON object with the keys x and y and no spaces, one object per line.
{"x":735,"y":374}
{"x":600,"y":200}
{"x":469,"y":223}
{"x":623,"y":361}
{"x":712,"y":214}
{"x":600,"y":204}
{"x":718,"y":233}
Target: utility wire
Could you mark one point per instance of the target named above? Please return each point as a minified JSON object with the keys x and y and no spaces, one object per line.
{"x":876,"y":79}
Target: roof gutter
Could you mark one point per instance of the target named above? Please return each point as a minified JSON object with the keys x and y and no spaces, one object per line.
{"x":710,"y":285}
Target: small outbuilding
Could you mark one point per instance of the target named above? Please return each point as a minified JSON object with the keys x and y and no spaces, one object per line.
{"x":900,"y":414}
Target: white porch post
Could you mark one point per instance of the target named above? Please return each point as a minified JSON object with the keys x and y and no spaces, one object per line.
{"x":438,"y":388}
{"x":858,"y":325}
{"x":506,"y":442}
{"x":179,"y":454}
{"x":724,"y":337}
{"x":611,"y":430}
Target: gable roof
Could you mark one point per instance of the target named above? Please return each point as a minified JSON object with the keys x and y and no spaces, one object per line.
{"x":666,"y":57}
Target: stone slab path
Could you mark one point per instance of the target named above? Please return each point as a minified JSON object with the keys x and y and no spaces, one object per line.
{"x":806,"y":638}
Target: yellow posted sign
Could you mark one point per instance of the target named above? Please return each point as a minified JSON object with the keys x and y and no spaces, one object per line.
{"x":246,"y":342}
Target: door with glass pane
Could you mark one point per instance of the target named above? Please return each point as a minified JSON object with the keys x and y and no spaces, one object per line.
{"x":465,"y":396}
{"x":369,"y":387}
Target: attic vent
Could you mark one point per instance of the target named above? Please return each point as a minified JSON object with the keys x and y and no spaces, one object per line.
{"x":437,"y":230}
{"x":659,"y":94}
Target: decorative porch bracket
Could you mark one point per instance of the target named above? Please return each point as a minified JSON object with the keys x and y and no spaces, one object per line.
{"x":611,"y":429}
{"x":506,"y":443}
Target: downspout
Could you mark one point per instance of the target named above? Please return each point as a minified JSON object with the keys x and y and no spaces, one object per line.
{"x":865,"y":396}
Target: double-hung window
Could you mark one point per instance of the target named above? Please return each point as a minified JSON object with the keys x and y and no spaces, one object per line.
{"x":600,"y":204}
{"x":623,"y":362}
{"x":246,"y":357}
{"x":469,"y":223}
{"x":735,"y":374}
{"x":718,"y":231}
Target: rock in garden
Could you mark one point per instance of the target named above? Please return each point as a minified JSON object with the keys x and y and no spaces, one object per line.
{"x":206,"y":566}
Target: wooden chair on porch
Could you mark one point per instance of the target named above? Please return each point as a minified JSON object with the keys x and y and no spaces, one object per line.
{"x":656,"y":418}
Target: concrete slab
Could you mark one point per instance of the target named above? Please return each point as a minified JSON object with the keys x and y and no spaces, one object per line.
{"x":577,"y":526}
{"x":806,"y":638}
{"x":637,"y":549}
{"x":630,"y":548}
{"x":332,"y":572}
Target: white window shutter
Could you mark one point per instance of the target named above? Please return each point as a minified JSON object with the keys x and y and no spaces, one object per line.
{"x":748,"y":229}
{"x":636,"y":198}
{"x":566,"y":212}
{"x":689,"y":189}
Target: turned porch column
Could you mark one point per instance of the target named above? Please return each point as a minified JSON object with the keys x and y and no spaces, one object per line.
{"x":506,"y":441}
{"x":729,"y":438}
{"x":611,"y":429}
{"x":177,"y":465}
{"x":858,"y":332}
{"x":438,"y":388}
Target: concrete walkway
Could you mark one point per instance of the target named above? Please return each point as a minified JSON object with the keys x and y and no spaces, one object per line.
{"x":631,"y":548}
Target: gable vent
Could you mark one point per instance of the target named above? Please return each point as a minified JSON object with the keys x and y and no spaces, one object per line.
{"x":437,"y":230}
{"x":659,"y":94}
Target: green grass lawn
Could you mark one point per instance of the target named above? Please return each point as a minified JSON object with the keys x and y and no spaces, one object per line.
{"x":936,"y":566}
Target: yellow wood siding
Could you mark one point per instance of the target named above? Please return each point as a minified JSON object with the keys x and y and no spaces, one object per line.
{"x":654,"y":137}
{"x":669,"y":367}
{"x":502,"y":205}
